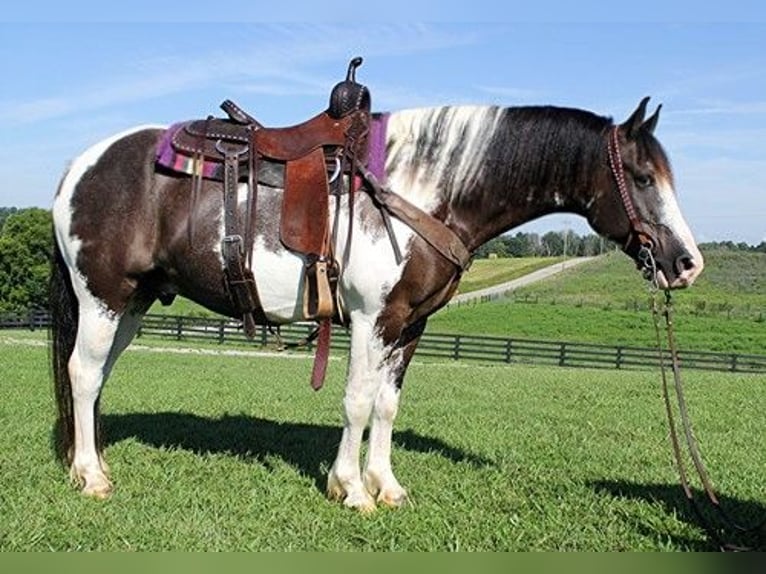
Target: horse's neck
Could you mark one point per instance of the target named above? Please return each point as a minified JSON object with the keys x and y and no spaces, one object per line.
{"x":489,"y":169}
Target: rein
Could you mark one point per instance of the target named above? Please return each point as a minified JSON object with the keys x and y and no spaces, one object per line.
{"x":648,"y":265}
{"x":650,"y":269}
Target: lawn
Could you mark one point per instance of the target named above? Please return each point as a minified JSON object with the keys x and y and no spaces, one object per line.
{"x":213,"y":452}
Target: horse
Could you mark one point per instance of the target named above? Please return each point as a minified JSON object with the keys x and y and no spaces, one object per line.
{"x":121,"y":230}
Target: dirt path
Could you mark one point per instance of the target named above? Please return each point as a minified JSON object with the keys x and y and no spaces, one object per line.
{"x":500,"y":289}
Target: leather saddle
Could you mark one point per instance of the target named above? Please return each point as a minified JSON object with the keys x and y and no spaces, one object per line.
{"x":303,"y":159}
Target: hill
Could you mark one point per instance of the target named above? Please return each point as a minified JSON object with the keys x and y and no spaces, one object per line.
{"x":606,"y":301}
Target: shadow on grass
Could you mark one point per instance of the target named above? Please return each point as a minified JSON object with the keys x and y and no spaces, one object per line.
{"x":726,"y":530}
{"x":310,"y":448}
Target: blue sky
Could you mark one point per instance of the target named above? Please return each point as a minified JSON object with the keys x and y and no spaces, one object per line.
{"x":66,"y":84}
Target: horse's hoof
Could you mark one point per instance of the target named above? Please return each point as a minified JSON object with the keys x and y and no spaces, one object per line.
{"x":100,"y":491}
{"x":364,"y":504}
{"x":393,"y":499}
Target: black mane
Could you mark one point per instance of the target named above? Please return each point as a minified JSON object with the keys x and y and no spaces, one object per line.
{"x":544,"y":148}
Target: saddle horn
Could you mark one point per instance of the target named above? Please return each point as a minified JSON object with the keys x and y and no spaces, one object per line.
{"x":352,"y":66}
{"x":349,"y":95}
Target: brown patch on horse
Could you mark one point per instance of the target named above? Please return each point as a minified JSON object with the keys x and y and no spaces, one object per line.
{"x":111,"y":264}
{"x":426,"y":285}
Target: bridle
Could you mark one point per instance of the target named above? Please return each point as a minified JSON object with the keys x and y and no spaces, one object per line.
{"x":639,"y":231}
{"x":648,"y":265}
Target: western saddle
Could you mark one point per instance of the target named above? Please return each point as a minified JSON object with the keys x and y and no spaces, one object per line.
{"x":306,"y":160}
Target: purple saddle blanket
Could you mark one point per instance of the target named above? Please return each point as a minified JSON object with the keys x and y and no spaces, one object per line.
{"x":179,"y":161}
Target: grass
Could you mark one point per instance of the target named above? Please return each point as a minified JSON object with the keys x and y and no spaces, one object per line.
{"x":230,"y":453}
{"x":488,"y":272}
{"x":605,"y":301}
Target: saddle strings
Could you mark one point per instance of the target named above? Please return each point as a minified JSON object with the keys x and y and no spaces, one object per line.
{"x":646,"y":258}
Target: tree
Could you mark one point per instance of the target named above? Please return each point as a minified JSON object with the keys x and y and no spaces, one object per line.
{"x":553,"y":243}
{"x":6,"y":212}
{"x":25,"y":252}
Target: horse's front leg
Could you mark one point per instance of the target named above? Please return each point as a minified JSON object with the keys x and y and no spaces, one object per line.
{"x":362,"y":387}
{"x":378,"y":475}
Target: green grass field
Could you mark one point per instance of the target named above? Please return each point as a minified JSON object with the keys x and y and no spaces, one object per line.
{"x":488,"y":272}
{"x":606,"y":301}
{"x":213,"y":452}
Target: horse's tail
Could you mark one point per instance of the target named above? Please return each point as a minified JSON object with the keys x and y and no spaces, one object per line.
{"x":63,"y":330}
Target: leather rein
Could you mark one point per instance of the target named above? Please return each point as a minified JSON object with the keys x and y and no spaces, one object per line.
{"x":649,"y":267}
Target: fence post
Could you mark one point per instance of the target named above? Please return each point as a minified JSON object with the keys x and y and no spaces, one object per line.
{"x":456,"y":348}
{"x":562,"y":354}
{"x":179,"y":327}
{"x":221,"y":325}
{"x":734,"y":362}
{"x":508,"y":350}
{"x":618,"y":363}
{"x":264,"y":336}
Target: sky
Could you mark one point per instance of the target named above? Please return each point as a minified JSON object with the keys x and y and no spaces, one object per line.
{"x":68,"y":80}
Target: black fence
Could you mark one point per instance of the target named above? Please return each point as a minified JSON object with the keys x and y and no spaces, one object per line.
{"x":457,"y":347}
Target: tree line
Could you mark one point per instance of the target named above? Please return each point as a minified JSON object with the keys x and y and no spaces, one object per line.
{"x":26,"y":247}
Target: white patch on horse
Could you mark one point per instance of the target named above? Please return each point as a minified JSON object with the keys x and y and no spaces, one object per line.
{"x":278,"y":277}
{"x":558,"y":201}
{"x":669,"y":214}
{"x":468,"y":132}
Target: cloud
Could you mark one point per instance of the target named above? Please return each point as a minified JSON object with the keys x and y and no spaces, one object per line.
{"x":278,"y":59}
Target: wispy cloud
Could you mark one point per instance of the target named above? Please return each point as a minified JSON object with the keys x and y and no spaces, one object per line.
{"x":721,"y":107}
{"x":280,"y":59}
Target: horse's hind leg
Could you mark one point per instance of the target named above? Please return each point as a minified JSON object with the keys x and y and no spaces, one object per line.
{"x":101,"y":337}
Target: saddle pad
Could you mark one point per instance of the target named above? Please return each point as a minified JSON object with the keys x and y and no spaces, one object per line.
{"x":270,"y":173}
{"x":168,"y":157}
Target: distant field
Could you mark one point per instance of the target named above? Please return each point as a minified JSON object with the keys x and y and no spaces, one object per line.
{"x":488,"y":272}
{"x":606,"y":301}
{"x":230,"y":453}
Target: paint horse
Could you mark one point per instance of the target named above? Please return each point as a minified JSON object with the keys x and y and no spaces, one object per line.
{"x":121,"y":242}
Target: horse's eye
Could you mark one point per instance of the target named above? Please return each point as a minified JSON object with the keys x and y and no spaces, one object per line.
{"x":643,"y":180}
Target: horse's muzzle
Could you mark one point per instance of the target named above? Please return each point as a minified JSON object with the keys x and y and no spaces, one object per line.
{"x":679,"y":273}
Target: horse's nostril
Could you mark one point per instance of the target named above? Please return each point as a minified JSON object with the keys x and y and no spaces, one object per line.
{"x":684,"y":263}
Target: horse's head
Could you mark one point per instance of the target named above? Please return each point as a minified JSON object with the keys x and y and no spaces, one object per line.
{"x":640,"y":210}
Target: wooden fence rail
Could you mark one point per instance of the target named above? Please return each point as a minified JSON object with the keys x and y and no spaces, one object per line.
{"x":457,"y":347}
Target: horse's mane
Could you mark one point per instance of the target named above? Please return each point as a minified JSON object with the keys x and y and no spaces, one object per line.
{"x":468,"y":150}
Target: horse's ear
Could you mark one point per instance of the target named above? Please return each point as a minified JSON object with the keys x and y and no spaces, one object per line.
{"x":633,"y":123}
{"x":651,"y":123}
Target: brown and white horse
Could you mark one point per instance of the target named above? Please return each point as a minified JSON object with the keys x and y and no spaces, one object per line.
{"x":122,"y":241}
